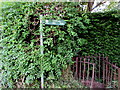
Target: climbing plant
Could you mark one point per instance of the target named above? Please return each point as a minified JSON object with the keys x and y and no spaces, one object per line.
{"x":83,"y":34}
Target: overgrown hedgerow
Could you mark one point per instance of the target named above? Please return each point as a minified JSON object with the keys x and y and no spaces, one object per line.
{"x":83,"y":34}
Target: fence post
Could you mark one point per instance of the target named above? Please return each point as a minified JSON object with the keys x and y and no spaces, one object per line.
{"x":93,"y":74}
{"x":80,"y":76}
{"x":119,"y":78}
{"x":76,"y":74}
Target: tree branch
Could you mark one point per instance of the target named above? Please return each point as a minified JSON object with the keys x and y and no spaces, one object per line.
{"x":98,"y":5}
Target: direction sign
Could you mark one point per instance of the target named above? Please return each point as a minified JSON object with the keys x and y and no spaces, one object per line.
{"x":54,"y":22}
{"x":47,"y":22}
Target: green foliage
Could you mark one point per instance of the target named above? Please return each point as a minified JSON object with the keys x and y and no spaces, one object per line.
{"x":84,"y":34}
{"x":63,"y":83}
{"x":103,"y":35}
{"x":112,"y":6}
{"x":21,"y":56}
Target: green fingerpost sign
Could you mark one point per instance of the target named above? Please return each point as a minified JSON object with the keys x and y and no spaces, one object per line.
{"x":46,"y":22}
{"x":55,"y":22}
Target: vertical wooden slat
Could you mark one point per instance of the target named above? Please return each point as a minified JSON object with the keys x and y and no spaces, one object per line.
{"x":91,"y":86}
{"x":108,"y":72}
{"x":99,"y":66}
{"x":84,"y":70}
{"x":74,"y":67}
{"x":80,"y":69}
{"x":103,"y":72}
{"x":114,"y":78}
{"x":88,"y":69}
{"x":94,"y":59}
{"x":115,"y":75}
{"x":76,"y":74}
{"x":106,"y":75}
{"x":111,"y":76}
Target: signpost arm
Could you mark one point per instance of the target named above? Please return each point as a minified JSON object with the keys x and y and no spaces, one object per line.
{"x":41,"y":50}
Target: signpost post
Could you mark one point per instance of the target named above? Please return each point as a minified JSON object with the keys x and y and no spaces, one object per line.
{"x":41,"y":50}
{"x":47,"y":22}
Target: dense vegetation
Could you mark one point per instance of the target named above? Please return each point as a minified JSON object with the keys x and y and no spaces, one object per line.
{"x":103,"y":35}
{"x":83,"y":34}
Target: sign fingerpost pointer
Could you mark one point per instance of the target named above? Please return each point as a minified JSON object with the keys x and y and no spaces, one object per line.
{"x":46,"y":22}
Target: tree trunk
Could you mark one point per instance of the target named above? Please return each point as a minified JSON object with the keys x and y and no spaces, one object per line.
{"x":90,"y":5}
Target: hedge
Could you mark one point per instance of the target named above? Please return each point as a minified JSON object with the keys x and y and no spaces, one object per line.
{"x":83,"y":34}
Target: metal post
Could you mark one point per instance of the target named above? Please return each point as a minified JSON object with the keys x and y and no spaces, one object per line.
{"x":41,"y":50}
